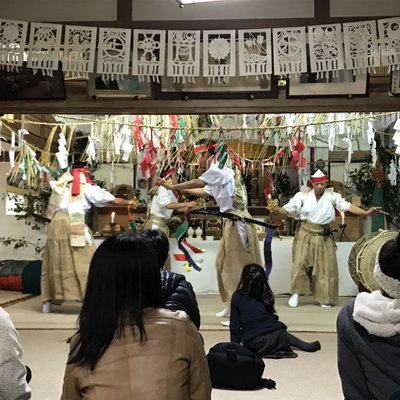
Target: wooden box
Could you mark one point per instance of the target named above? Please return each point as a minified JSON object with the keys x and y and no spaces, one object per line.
{"x":102,"y":217}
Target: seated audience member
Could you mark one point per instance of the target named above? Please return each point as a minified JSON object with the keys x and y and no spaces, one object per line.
{"x":177,"y":292}
{"x":395,"y":395}
{"x":368,"y":331}
{"x":13,"y":373}
{"x":254,"y":321}
{"x":127,"y":346}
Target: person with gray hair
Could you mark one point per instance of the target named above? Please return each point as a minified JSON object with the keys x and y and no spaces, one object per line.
{"x":368,"y":332}
{"x":13,"y":373}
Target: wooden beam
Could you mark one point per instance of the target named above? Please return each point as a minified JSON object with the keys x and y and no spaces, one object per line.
{"x":124,"y":11}
{"x":77,"y":102}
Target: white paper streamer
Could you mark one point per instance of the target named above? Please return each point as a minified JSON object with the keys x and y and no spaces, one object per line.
{"x":219,"y":55}
{"x":361,"y":45}
{"x":389,"y":40}
{"x":79,"y":50}
{"x":44,"y":47}
{"x":183,"y":58}
{"x":148,"y":56}
{"x":290,"y":53}
{"x":113,"y":53}
{"x":12,"y":43}
{"x":326,"y":49}
{"x":255,"y":52}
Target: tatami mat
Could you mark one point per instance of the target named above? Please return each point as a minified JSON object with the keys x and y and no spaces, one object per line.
{"x":308,"y":317}
{"x":8,"y":297}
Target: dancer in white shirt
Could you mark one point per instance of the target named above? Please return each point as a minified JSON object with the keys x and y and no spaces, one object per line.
{"x":70,"y":246}
{"x":239,"y":245}
{"x":164,"y":202}
{"x":314,"y":269}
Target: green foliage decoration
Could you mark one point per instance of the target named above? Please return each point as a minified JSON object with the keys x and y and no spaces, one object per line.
{"x":362,"y":179}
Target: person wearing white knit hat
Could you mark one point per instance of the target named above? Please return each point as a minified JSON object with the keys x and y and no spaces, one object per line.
{"x":314,"y":269}
{"x":368,"y":330}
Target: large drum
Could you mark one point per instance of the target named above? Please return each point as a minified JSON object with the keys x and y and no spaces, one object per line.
{"x":362,"y":258}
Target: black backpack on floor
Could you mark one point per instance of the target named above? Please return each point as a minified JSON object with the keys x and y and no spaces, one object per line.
{"x":234,"y":367}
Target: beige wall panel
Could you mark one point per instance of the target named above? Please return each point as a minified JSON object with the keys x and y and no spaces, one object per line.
{"x":167,"y":10}
{"x":59,"y":10}
{"x":11,"y":227}
{"x":367,"y":8}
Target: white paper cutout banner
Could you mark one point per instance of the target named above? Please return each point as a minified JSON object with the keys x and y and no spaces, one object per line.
{"x":79,"y":50}
{"x":219,"y":55}
{"x":389,"y":35}
{"x":361,"y":45}
{"x":113,"y":53}
{"x":183,"y":58}
{"x":255,"y":52}
{"x":12,"y":43}
{"x":148,"y":57}
{"x":326,"y":49}
{"x":44,"y":47}
{"x":290,"y":53}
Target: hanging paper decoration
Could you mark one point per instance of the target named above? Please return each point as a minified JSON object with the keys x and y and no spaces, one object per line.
{"x":392,"y":176}
{"x":148,"y":55}
{"x":396,"y":137}
{"x":326,"y":49}
{"x":255,"y":52}
{"x":127,"y":146}
{"x":290,"y":52}
{"x":44,"y":47}
{"x":79,"y":50}
{"x":62,"y":154}
{"x":390,"y":41}
{"x":183,"y":55}
{"x":361,"y":45}
{"x":113,"y":53}
{"x":12,"y":43}
{"x":219,"y":55}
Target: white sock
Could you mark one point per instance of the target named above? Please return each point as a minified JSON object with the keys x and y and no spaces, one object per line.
{"x":46,"y":307}
{"x":326,"y":306}
{"x":225,"y":312}
{"x":225,"y":323}
{"x":294,"y":300}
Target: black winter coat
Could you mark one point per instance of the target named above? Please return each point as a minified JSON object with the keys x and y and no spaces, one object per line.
{"x":179,"y":295}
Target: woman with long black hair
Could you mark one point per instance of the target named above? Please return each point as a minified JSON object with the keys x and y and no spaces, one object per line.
{"x":127,"y":346}
{"x":254,"y":321}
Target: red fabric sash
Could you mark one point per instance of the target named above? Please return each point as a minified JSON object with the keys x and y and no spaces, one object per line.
{"x":76,"y":184}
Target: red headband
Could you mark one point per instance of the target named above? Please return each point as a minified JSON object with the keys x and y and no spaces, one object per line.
{"x":201,"y":148}
{"x":319,"y":179}
{"x":168,"y":172}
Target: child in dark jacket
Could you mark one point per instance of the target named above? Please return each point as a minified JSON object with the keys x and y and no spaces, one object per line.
{"x":254,"y":321}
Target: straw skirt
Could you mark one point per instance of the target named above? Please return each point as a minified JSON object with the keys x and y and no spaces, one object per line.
{"x":64,"y":268}
{"x":233,"y":256}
